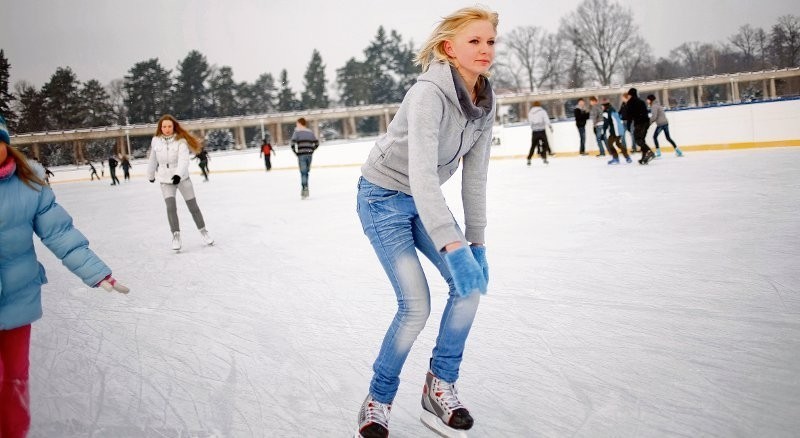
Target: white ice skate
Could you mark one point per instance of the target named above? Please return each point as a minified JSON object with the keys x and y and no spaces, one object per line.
{"x":442,"y":411}
{"x":373,"y":419}
{"x":207,"y":239}
{"x":176,"y":241}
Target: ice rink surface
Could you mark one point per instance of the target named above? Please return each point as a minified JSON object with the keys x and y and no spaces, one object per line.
{"x":627,"y":301}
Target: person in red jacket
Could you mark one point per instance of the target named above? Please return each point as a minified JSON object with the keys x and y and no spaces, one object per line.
{"x":267,"y":150}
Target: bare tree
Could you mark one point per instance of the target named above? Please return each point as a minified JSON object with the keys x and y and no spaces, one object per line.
{"x":785,"y":41}
{"x":603,"y":31}
{"x":116,"y":94}
{"x":696,"y":58}
{"x":746,"y":40}
{"x":524,"y":45}
{"x":555,"y":61}
{"x":637,"y":63}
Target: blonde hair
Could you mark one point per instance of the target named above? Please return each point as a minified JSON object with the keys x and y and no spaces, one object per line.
{"x":447,"y":29}
{"x":194,"y":144}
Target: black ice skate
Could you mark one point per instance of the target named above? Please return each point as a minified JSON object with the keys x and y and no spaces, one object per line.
{"x":442,"y":411}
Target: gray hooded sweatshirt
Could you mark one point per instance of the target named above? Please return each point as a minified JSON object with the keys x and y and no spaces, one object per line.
{"x":435,"y":127}
{"x":658,"y":115}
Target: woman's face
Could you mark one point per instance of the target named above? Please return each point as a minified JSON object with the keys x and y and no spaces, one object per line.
{"x":167,"y":127}
{"x":3,"y":152}
{"x":473,"y":48}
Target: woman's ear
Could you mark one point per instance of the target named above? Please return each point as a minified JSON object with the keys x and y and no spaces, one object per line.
{"x":448,"y":49}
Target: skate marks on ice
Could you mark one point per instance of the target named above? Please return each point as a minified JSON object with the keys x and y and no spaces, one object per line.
{"x":657,"y":301}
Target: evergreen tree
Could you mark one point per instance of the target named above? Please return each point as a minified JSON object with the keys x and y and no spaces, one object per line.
{"x":315,"y":95}
{"x":222,"y":90}
{"x":5,"y":96}
{"x":32,"y":113}
{"x":264,"y":94}
{"x":402,"y":63}
{"x":96,"y":105}
{"x":62,"y":100}
{"x":191,"y":96}
{"x":379,"y":63}
{"x":149,"y":91}
{"x":354,"y":82}
{"x":286,"y":99}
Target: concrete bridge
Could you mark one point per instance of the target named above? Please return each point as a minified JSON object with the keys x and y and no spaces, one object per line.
{"x":273,"y":123}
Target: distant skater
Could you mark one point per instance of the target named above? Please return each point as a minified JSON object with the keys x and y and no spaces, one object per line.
{"x":304,"y":143}
{"x":267,"y":151}
{"x":202,"y":158}
{"x":126,"y":167}
{"x":540,"y":122}
{"x":93,"y":171}
{"x":112,"y":170}
{"x":659,"y":117}
{"x":613,"y":126}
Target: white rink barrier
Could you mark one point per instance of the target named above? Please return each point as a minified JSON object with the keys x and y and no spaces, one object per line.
{"x":759,"y":124}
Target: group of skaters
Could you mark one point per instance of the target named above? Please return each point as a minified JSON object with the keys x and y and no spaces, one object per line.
{"x":113,"y":162}
{"x":610,"y":127}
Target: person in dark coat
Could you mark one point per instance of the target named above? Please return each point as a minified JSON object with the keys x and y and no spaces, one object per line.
{"x":126,"y":167}
{"x":112,"y":169}
{"x":581,"y":116}
{"x":637,"y":112}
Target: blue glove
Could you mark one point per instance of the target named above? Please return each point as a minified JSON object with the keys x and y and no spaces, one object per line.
{"x":480,"y":256}
{"x":176,"y":179}
{"x":467,"y":273}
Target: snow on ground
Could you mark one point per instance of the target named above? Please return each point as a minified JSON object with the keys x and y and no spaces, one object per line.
{"x":628,"y":301}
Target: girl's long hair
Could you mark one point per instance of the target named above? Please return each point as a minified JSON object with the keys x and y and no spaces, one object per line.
{"x":433,"y":49}
{"x":194,"y":144}
{"x":24,"y":171}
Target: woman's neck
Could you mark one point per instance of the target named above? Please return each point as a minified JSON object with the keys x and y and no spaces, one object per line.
{"x":471,"y":82}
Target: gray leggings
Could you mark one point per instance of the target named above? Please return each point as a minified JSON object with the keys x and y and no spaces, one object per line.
{"x":187,"y":190}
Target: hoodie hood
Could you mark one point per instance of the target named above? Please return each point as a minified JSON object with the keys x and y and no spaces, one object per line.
{"x":633,"y":92}
{"x":446,"y":77}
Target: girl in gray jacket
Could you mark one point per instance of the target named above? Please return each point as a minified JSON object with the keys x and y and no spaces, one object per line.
{"x":445,"y":118}
{"x":659,"y":116}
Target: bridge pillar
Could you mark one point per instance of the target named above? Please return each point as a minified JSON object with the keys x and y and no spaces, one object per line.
{"x":772,"y":93}
{"x":351,"y":124}
{"x":315,"y":128}
{"x":699,"y":95}
{"x":764,"y":89}
{"x":35,"y":151}
{"x":241,"y":141}
{"x":665,"y":98}
{"x":278,"y":129}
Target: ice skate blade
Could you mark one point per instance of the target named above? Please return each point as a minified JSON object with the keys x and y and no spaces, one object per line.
{"x":435,"y":424}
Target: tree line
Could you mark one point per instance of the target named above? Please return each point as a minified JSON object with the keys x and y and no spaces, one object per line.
{"x":598,"y":43}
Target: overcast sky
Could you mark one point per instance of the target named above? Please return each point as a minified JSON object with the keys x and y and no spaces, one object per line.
{"x":103,"y":39}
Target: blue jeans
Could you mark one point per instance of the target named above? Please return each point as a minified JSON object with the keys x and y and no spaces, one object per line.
{"x":391,"y":222}
{"x":664,"y":128}
{"x":582,"y":132}
{"x":304,"y":161}
{"x":601,"y":139}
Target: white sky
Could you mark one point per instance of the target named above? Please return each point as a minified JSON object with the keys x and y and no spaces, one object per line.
{"x":102,"y":39}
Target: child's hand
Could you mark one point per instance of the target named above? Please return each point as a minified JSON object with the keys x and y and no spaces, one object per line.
{"x":109,"y":284}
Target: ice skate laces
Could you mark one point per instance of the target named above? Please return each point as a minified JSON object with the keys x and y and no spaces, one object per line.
{"x":376,"y":412}
{"x":446,"y":394}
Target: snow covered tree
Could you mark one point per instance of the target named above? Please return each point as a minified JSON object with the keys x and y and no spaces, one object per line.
{"x":148,"y":89}
{"x":191,"y":99}
{"x":219,"y":139}
{"x":315,"y":95}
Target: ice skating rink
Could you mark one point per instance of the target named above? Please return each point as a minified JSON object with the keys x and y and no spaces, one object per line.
{"x":627,"y":301}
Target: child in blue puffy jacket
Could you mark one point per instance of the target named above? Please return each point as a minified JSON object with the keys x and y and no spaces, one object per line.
{"x":27,"y":206}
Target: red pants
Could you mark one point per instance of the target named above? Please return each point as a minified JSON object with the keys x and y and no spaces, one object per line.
{"x":15,"y":417}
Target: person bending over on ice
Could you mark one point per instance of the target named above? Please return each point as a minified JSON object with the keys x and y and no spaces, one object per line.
{"x":28,"y":206}
{"x":445,"y":118}
{"x":169,"y":157}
